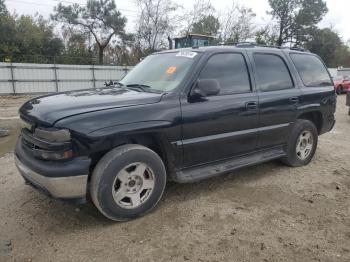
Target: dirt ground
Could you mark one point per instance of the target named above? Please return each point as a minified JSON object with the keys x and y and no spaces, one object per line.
{"x":265,"y":213}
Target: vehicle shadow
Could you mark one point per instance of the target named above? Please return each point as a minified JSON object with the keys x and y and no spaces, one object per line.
{"x":67,"y":217}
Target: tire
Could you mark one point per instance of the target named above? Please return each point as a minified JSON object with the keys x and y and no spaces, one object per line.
{"x":301,"y":129}
{"x":340,"y":90}
{"x":112,"y":178}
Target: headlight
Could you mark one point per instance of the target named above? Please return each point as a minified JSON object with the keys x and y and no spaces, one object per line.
{"x":25,"y":124}
{"x":53,"y":135}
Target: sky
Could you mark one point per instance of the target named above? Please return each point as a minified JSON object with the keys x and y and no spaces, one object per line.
{"x":338,"y":16}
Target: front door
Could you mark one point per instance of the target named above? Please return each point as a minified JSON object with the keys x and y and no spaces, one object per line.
{"x":224,"y":125}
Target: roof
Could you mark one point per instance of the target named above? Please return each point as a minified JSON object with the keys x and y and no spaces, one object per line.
{"x":239,"y":46}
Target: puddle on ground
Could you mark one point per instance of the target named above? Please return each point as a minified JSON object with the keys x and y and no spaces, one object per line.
{"x":7,"y":143}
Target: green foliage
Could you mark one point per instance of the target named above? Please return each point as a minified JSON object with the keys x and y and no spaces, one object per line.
{"x":328,"y":45}
{"x":208,"y":25}
{"x":266,"y":35}
{"x":35,"y":39}
{"x":100,"y":18}
{"x":28,"y":39}
{"x":3,"y":9}
{"x":76,"y":51}
{"x":296,"y":18}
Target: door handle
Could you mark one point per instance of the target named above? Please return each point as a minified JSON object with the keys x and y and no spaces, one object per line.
{"x":294,"y":99}
{"x":251,"y":105}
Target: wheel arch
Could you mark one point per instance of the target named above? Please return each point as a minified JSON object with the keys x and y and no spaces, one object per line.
{"x":315,"y":117}
{"x":154,"y":138}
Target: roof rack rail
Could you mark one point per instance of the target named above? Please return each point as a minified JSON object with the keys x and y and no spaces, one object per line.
{"x":298,"y":49}
{"x":253,"y":44}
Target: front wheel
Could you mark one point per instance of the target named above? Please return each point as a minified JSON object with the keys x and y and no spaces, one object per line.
{"x":302,"y":143}
{"x":128,"y":182}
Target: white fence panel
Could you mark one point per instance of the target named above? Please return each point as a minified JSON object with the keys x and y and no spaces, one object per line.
{"x":34,"y":87}
{"x":74,"y":72}
{"x":75,"y":85}
{"x":6,"y":86}
{"x":20,"y":78}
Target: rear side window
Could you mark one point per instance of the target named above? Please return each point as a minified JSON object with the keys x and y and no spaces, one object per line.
{"x":311,"y":70}
{"x":272,"y":72}
{"x":230,"y":70}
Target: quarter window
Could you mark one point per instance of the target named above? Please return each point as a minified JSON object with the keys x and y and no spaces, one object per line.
{"x":272,"y":72}
{"x":311,"y":70}
{"x":230,"y":70}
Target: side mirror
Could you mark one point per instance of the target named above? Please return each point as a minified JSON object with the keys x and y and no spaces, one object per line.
{"x":205,"y":87}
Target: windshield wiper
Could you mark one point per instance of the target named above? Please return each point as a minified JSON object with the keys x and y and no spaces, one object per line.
{"x":140,"y":87}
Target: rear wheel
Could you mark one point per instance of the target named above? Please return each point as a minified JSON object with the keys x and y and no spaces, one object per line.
{"x":128,"y":182}
{"x":302,"y":143}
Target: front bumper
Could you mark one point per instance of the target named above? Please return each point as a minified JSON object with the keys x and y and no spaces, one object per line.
{"x":62,"y":180}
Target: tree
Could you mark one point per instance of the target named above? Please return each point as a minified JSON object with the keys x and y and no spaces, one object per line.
{"x":78,"y":49}
{"x":328,"y":45}
{"x":296,"y":18}
{"x":208,"y":25}
{"x":35,"y":40}
{"x":28,"y":39}
{"x":99,"y":17}
{"x":155,"y":22}
{"x":8,"y":41}
{"x":201,"y":11}
{"x":237,"y":24}
{"x":3,"y":9}
{"x":266,"y":35}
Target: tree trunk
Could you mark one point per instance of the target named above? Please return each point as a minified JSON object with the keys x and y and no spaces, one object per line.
{"x":280,"y":37}
{"x":100,"y":54}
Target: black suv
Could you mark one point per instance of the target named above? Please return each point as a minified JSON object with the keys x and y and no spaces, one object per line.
{"x":180,"y":115}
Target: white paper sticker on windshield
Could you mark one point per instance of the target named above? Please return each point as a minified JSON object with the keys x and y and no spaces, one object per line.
{"x":188,"y":54}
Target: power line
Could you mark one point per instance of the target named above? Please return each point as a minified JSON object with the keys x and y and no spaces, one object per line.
{"x":30,"y":3}
{"x":68,"y":2}
{"x":71,"y":2}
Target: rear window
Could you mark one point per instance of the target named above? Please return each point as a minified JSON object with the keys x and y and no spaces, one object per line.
{"x":272,"y":72}
{"x":311,"y":70}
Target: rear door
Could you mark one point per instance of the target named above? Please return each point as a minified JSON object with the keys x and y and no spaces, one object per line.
{"x":316,"y":88}
{"x":279,"y":97}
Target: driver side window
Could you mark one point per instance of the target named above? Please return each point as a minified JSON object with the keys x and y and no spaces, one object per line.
{"x":230,"y":70}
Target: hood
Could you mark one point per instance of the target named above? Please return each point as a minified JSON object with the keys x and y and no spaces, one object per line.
{"x":48,"y":109}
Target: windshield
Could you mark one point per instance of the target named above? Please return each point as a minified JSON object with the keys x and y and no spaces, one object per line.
{"x":161,"y":72}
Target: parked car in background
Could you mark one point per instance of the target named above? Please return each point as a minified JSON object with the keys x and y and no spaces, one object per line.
{"x":348,"y":100}
{"x":181,"y":115}
{"x":341,"y":84}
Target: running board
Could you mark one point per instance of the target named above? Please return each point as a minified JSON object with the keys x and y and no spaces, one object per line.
{"x":194,"y":174}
